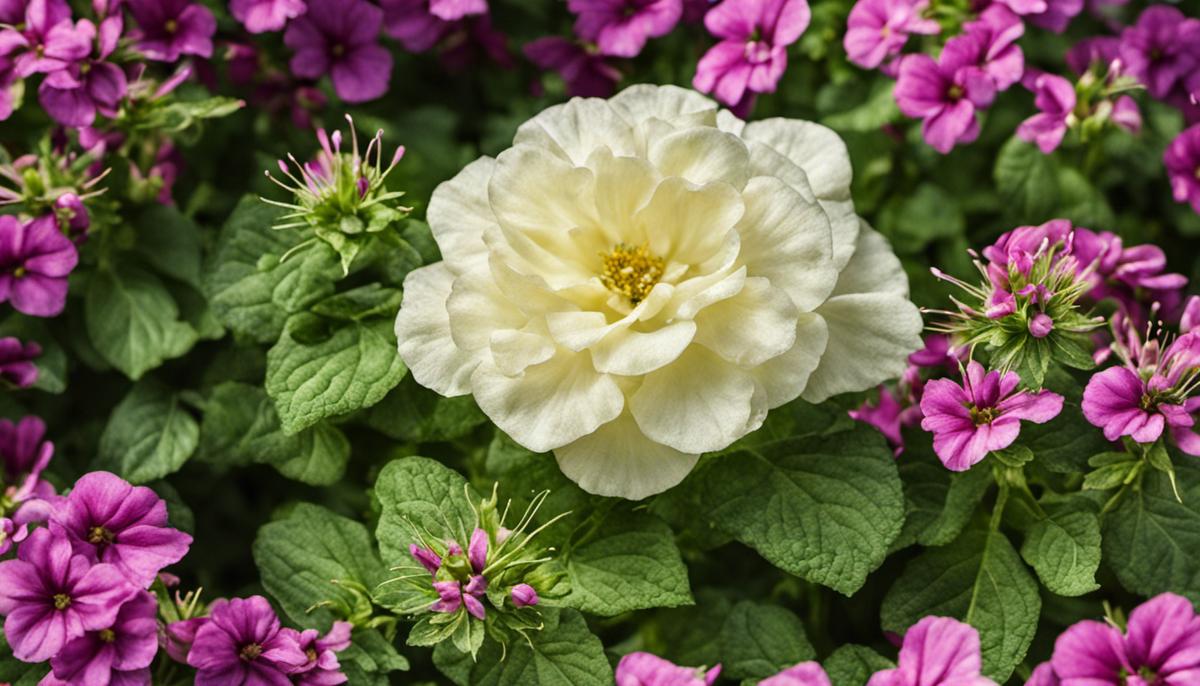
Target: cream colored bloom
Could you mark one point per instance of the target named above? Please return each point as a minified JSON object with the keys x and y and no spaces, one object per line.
{"x":638,"y":280}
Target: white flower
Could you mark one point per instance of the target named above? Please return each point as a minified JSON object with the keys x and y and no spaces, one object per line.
{"x":638,"y":280}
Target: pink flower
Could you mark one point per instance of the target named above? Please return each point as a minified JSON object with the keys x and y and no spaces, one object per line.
{"x":261,"y":16}
{"x":17,"y":367}
{"x":622,"y":27}
{"x":118,"y":654}
{"x":1190,"y":320}
{"x":242,"y":644}
{"x":937,"y":651}
{"x":644,"y":669}
{"x":1162,"y":638}
{"x":453,"y":10}
{"x":946,"y":93}
{"x":1055,"y":97}
{"x":587,"y":74}
{"x":982,"y":415}
{"x":50,"y":596}
{"x":996,"y":51}
{"x":170,"y":29}
{"x":803,"y":674}
{"x":523,"y":595}
{"x":338,"y":37}
{"x":453,"y":595}
{"x":1182,"y":159}
{"x":46,"y":41}
{"x":1160,"y":49}
{"x":1043,"y":675}
{"x":73,"y":96}
{"x":752,"y":54}
{"x":35,"y":259}
{"x":322,"y":667}
{"x":878,"y":29}
{"x":1131,"y":276}
{"x":1057,"y":15}
{"x":885,"y":415}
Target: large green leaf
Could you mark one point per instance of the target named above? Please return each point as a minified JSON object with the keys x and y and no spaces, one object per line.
{"x":853,"y":665}
{"x":132,"y":320}
{"x":759,"y":640}
{"x":1064,"y":550}
{"x":422,"y":493}
{"x":824,"y":508}
{"x":939,"y":502}
{"x":979,"y":579}
{"x":1027,"y":181}
{"x":150,"y":434}
{"x":564,"y":653}
{"x":413,"y":413}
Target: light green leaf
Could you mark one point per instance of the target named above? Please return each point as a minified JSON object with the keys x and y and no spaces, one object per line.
{"x":758,"y":641}
{"x":1064,"y":550}
{"x":563,"y":653}
{"x":313,"y":374}
{"x":978,"y":579}
{"x":630,"y":563}
{"x":426,"y":493}
{"x":823,"y":508}
{"x":853,"y":665}
{"x":149,"y":435}
{"x":132,"y":320}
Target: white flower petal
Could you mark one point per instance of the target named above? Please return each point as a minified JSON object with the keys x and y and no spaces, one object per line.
{"x":687,"y":223}
{"x":423,"y":333}
{"x":784,"y":377}
{"x":631,"y":353}
{"x":476,"y":308}
{"x":551,"y":404}
{"x":459,"y":214}
{"x":750,"y":328}
{"x":874,"y":267}
{"x":515,"y":351}
{"x":574,"y":129}
{"x":697,"y":404}
{"x":674,"y":105}
{"x":619,"y":461}
{"x":702,"y":155}
{"x":535,"y":193}
{"x":624,"y":185}
{"x":694,"y":295}
{"x":787,"y":240}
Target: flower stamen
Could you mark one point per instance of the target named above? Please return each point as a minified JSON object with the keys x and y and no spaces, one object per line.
{"x":631,"y":271}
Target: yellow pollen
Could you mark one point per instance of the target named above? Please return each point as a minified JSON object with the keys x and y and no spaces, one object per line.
{"x":61,"y":601}
{"x":631,"y":271}
{"x":107,"y":635}
{"x":171,"y":26}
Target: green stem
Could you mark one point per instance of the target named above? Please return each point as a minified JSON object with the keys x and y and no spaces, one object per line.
{"x":1001,"y":501}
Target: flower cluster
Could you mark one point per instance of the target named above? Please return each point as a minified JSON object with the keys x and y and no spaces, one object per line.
{"x":24,"y":455}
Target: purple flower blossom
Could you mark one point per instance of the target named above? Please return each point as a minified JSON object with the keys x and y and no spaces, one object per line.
{"x":16,"y":362}
{"x":803,"y":674}
{"x":242,"y":644}
{"x":1054,"y":96}
{"x":35,"y":259}
{"x":50,"y":596}
{"x":46,"y":41}
{"x":322,"y":667}
{"x":1043,"y":675}
{"x":1190,"y":319}
{"x":1162,"y":639}
{"x":11,"y":533}
{"x":995,"y":51}
{"x":947,"y":92}
{"x":108,"y":520}
{"x":169,"y":29}
{"x":1041,"y":325}
{"x":622,"y":27}
{"x":644,"y":669}
{"x":1182,"y":159}
{"x":24,"y":454}
{"x":453,"y":595}
{"x":1057,"y":15}
{"x":1121,"y":403}
{"x":1160,"y":49}
{"x":117,"y":654}
{"x":1127,"y":275}
{"x":982,"y":415}
{"x":177,"y":637}
{"x":453,"y":10}
{"x":587,"y":74}
{"x":523,"y":595}
{"x":1095,"y":52}
{"x":878,"y":29}
{"x":752,"y":54}
{"x":426,"y":557}
{"x":413,"y":24}
{"x":338,"y":37}
{"x":262,"y":16}
{"x":885,"y":415}
{"x":936,"y":651}
{"x":73,"y":96}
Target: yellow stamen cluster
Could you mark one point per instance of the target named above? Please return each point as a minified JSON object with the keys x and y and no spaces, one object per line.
{"x":631,"y":271}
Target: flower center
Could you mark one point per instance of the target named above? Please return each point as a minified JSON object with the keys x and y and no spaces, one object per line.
{"x":61,"y":601}
{"x":250,"y":652}
{"x":98,"y":535}
{"x":1197,"y":173}
{"x":1147,"y":402}
{"x":631,"y":271}
{"x":983,"y":415}
{"x":171,"y":26}
{"x":338,"y":50}
{"x":19,"y":272}
{"x":106,"y":635}
{"x":956,"y":92}
{"x":311,"y":654}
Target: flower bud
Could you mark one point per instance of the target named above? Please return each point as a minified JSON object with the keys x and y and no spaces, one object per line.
{"x":1041,"y":325}
{"x":523,"y":595}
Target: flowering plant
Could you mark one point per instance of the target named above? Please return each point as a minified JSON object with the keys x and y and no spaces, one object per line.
{"x":572,"y":343}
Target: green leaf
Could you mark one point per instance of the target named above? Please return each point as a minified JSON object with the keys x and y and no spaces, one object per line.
{"x":758,"y":641}
{"x":307,"y":558}
{"x":1064,"y":550}
{"x":916,"y":219}
{"x":1027,"y":181}
{"x":1063,"y":444}
{"x":250,"y":290}
{"x":939,"y":502}
{"x":241,"y":427}
{"x":412,"y":413}
{"x":630,"y":563}
{"x":149,"y":435}
{"x":360,"y":303}
{"x":170,"y":243}
{"x":426,"y":493}
{"x":332,"y":373}
{"x":563,"y":653}
{"x":824,"y":508}
{"x":1152,"y":541}
{"x":978,"y":579}
{"x":373,"y":653}
{"x":853,"y":665}
{"x":1111,"y":469}
{"x":133,"y":321}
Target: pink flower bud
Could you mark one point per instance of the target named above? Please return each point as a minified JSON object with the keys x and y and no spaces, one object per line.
{"x":523,"y":595}
{"x":1041,"y":325}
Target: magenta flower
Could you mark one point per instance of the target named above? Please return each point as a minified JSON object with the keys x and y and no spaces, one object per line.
{"x":177,"y":637}
{"x":1128,"y":275}
{"x":752,"y":54}
{"x":262,"y":16}
{"x":24,"y":454}
{"x":453,"y":595}
{"x":119,"y":654}
{"x":1121,"y":403}
{"x":1057,"y":15}
{"x":426,"y":557}
{"x":50,"y":596}
{"x":169,"y":29}
{"x":108,"y":520}
{"x":1182,"y":159}
{"x":878,"y":29}
{"x":982,"y":415}
{"x":644,"y":669}
{"x":338,"y":37}
{"x":524,"y":595}
{"x":1043,"y":675}
{"x":73,"y":96}
{"x":17,"y":368}
{"x":1190,"y":319}
{"x":453,"y":10}
{"x":11,"y":533}
{"x":622,"y":27}
{"x":1054,"y":96}
{"x":242,"y":644}
{"x":803,"y":674}
{"x":413,"y":24}
{"x":322,"y":667}
{"x":46,"y":41}
{"x":35,"y":259}
{"x":937,"y":651}
{"x":947,"y":92}
{"x":1097,"y":52}
{"x":1162,"y":639}
{"x":1160,"y":49}
{"x":995,"y":51}
{"x":885,"y":415}
{"x":587,"y":74}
